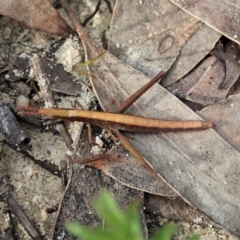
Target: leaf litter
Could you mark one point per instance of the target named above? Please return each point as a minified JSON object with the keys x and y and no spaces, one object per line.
{"x":223,"y":17}
{"x":169,"y":107}
{"x":37,"y":14}
{"x":188,"y":161}
{"x":202,"y":84}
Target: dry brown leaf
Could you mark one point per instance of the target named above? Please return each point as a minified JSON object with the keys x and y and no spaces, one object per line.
{"x":196,"y":48}
{"x":200,"y":165}
{"x":127,"y":170}
{"x":61,"y":81}
{"x":201,"y":85}
{"x":174,"y":209}
{"x":188,"y":161}
{"x":222,"y":16}
{"x":226,"y":115}
{"x":37,"y":14}
{"x":152,"y":40}
{"x":236,"y":87}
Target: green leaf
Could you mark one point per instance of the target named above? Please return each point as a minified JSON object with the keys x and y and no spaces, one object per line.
{"x":81,"y":65}
{"x":133,"y":219}
{"x":166,"y":232}
{"x":108,"y":209}
{"x":194,"y":237}
{"x":120,"y":225}
{"x":89,"y":233}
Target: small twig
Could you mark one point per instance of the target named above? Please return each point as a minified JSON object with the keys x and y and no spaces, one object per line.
{"x":44,"y":85}
{"x":134,"y":97}
{"x":75,"y":21}
{"x":104,"y":40}
{"x":92,"y":14}
{"x":12,"y":227}
{"x":109,"y":6}
{"x":90,"y":159}
{"x":129,"y":146}
{"x":64,"y":173}
{"x":24,"y":220}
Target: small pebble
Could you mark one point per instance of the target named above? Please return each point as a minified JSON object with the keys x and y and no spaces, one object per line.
{"x":22,"y":101}
{"x":98,"y":141}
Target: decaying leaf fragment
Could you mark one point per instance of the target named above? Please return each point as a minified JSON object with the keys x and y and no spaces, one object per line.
{"x":175,"y":209}
{"x":126,"y":169}
{"x":202,"y":84}
{"x":37,"y":14}
{"x":226,"y":116}
{"x":222,"y":16}
{"x":60,"y":80}
{"x":196,"y":48}
{"x":11,"y":129}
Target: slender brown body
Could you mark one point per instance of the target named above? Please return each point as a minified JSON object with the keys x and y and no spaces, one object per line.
{"x":124,"y":122}
{"x":118,"y":121}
